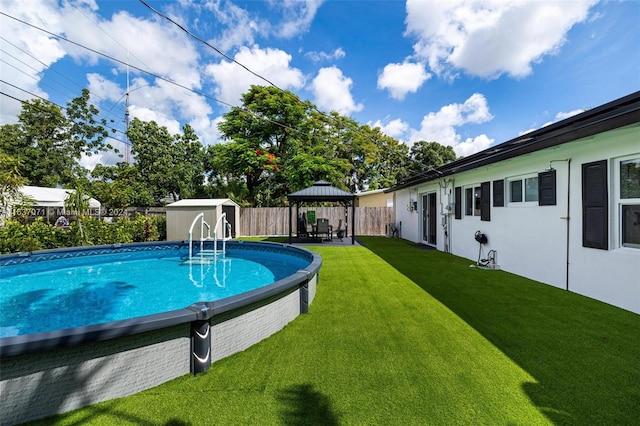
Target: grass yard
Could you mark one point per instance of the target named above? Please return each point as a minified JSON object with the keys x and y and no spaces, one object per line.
{"x":402,"y":336}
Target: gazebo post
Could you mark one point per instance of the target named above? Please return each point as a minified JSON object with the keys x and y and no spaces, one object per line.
{"x":353,"y":221}
{"x":290,"y":222}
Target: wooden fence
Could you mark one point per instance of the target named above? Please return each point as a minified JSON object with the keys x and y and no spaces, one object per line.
{"x":263,"y":221}
{"x":270,"y":221}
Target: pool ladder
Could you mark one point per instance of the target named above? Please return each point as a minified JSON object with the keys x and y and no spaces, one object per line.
{"x":226,"y":236}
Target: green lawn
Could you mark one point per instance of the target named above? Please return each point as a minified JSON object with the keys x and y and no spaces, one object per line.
{"x":404,"y":336}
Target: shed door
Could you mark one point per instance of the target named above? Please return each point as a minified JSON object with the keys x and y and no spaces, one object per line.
{"x":429,"y":218}
{"x":231,"y":218}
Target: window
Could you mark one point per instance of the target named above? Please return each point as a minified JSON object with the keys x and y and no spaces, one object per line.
{"x":523,"y":190}
{"x":473,"y":201}
{"x":458,"y":202}
{"x":629,"y":202}
{"x":477,"y":201}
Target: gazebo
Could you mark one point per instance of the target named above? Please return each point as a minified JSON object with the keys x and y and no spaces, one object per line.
{"x":322,"y":191}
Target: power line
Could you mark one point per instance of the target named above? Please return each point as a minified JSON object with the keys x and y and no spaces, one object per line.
{"x":206,"y":43}
{"x":149,"y":73}
{"x":53,"y":103}
{"x":50,"y":78}
{"x":234,"y":60}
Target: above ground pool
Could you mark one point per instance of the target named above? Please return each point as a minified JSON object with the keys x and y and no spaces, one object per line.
{"x":60,"y":292}
{"x":53,"y":297}
{"x":98,"y":323}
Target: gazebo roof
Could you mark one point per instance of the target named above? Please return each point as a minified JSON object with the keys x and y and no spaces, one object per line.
{"x":321,"y":191}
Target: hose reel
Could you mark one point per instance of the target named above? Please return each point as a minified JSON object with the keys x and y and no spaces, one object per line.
{"x":490,"y":261}
{"x":481,"y":238}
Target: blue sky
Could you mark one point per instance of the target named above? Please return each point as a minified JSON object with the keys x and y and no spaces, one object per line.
{"x":469,"y":74}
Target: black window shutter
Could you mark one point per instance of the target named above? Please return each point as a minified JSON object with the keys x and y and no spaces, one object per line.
{"x":547,"y":188}
{"x":485,"y":201}
{"x":498,"y":193}
{"x":458,"y":202}
{"x":595,"y":215}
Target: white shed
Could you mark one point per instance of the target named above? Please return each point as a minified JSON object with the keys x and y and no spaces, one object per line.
{"x":180,"y":216}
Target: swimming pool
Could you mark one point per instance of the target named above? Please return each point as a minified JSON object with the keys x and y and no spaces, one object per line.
{"x":149,"y":316}
{"x":80,"y":291}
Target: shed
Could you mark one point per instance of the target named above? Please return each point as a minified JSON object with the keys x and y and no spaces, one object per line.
{"x":180,"y":215}
{"x":322,"y":191}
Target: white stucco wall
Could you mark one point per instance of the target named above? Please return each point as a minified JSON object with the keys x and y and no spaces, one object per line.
{"x":531,"y":240}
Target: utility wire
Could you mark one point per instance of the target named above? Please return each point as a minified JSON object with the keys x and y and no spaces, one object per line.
{"x":59,"y":106}
{"x":356,"y":130}
{"x":206,"y":43}
{"x":50,"y":69}
{"x":150,"y":73}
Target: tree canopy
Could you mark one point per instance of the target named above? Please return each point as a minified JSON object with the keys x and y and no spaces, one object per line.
{"x":273,"y":144}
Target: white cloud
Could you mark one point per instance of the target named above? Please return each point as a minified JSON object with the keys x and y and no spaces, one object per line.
{"x":562,"y":115}
{"x":21,"y":70}
{"x":401,"y":79}
{"x":298,"y":16}
{"x":395,"y":128}
{"x":339,"y":53}
{"x":273,"y":64}
{"x":332,"y":91}
{"x":559,"y":116}
{"x":241,"y":27}
{"x":156,"y":46}
{"x":441,"y":126}
{"x":493,"y":37}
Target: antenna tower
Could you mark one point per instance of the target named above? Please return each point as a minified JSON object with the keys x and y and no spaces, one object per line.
{"x":127,"y":145}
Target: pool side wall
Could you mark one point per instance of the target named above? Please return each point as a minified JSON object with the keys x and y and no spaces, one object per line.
{"x":42,"y":384}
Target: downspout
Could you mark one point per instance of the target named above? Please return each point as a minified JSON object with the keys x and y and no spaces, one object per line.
{"x":568,"y":216}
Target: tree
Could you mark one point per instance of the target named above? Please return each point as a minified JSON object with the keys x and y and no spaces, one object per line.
{"x":169,"y":165}
{"x":41,"y":144}
{"x":262,"y":137}
{"x":86,"y":133}
{"x":49,"y":144}
{"x":427,"y":155}
{"x":77,"y":203}
{"x":10,"y":183}
{"x":120,"y":186}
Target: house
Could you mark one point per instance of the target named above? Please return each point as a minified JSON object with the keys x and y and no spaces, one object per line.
{"x":374,"y":198}
{"x":48,"y":203}
{"x":560,"y":205}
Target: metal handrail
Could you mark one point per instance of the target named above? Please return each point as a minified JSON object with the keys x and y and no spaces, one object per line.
{"x":203,"y":223}
{"x":221,"y":223}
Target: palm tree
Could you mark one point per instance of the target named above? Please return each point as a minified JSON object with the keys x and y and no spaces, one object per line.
{"x":78,"y":202}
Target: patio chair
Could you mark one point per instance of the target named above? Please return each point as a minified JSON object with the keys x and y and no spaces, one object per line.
{"x":323,"y":228}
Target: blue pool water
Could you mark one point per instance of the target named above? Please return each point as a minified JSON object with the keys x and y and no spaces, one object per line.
{"x":67,"y":293}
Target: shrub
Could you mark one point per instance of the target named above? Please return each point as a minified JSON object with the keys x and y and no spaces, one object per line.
{"x":39,"y":235}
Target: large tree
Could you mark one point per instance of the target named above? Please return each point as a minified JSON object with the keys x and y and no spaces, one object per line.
{"x":170,"y":165}
{"x":426,"y":155}
{"x":120,"y":186}
{"x":275,"y":144}
{"x":49,"y":142}
{"x":262,"y":137}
